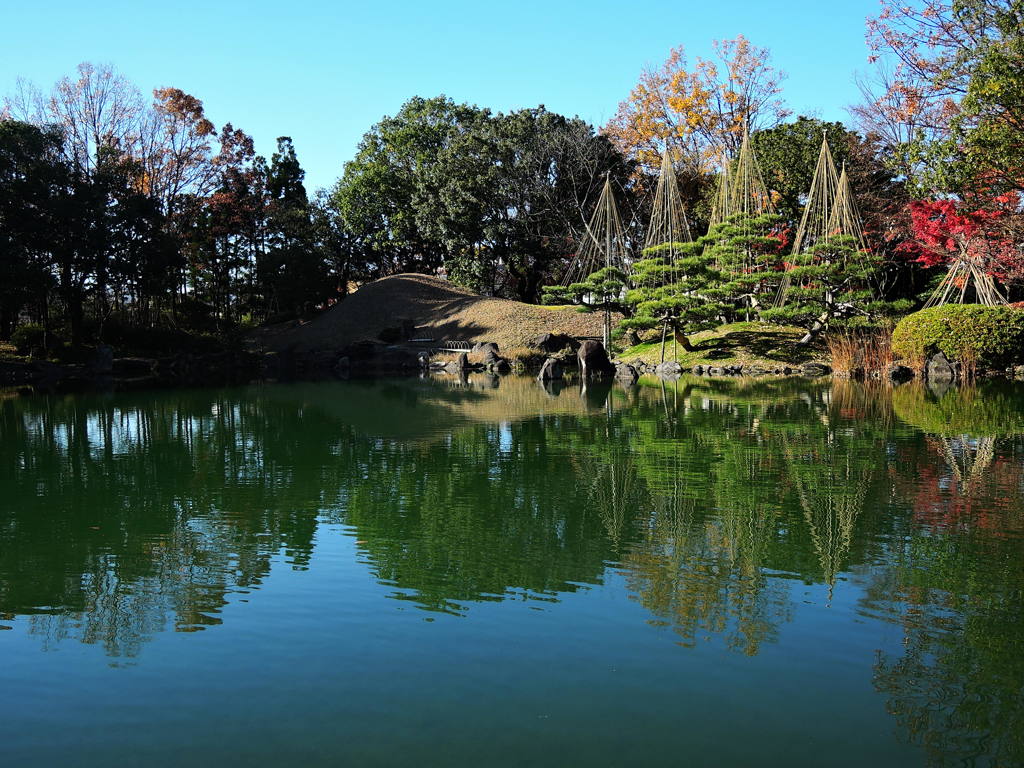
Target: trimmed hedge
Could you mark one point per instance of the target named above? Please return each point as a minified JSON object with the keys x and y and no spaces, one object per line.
{"x":991,"y":337}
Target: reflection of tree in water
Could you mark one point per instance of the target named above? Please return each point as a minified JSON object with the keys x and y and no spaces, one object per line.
{"x":832,"y":463}
{"x":954,"y":577}
{"x":477,"y":517}
{"x":963,"y":425}
{"x":955,"y":586}
{"x":141,"y":513}
{"x":123,"y":520}
{"x":831,"y":484}
{"x":968,"y":458}
{"x":700,"y":563}
{"x":608,"y":478}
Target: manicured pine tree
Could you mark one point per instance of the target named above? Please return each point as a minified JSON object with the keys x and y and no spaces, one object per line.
{"x":747,"y":250}
{"x":681,"y":296}
{"x":833,"y":284}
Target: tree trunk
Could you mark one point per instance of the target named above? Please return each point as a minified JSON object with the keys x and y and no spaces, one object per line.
{"x":816,"y":327}
{"x":684,"y":342}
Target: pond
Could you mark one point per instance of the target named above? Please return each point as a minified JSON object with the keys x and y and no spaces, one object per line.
{"x":433,"y":572}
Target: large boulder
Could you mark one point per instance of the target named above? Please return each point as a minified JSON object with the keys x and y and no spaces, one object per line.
{"x":555,"y":342}
{"x":669,"y":369}
{"x":550,"y":371}
{"x":485,"y":349}
{"x":898,"y":374}
{"x":939,"y":368}
{"x":594,"y":360}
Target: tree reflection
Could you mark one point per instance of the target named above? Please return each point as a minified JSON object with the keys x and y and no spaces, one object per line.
{"x":129,"y":515}
{"x":953,"y":579}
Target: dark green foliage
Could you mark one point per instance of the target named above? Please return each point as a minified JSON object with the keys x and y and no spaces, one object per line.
{"x":29,"y":338}
{"x":95,"y":254}
{"x":604,"y":289}
{"x":787,"y":154}
{"x":989,"y":336}
{"x":747,"y":252}
{"x":833,"y":284}
{"x":495,"y":200}
{"x":676,"y":287}
{"x":293,"y":272}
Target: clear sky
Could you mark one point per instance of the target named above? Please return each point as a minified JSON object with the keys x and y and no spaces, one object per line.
{"x":323,"y":72}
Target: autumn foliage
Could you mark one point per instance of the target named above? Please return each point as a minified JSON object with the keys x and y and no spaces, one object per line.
{"x":944,"y":230}
{"x":699,"y":109}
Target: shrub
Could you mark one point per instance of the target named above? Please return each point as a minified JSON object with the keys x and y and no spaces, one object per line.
{"x":973,"y":334}
{"x":28,"y":338}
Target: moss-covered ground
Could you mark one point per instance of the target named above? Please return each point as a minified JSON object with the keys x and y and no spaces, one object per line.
{"x":748,"y":344}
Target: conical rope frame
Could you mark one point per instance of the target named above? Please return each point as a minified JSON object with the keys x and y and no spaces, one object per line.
{"x":749,"y":194}
{"x":604,"y":242}
{"x":668,"y":225}
{"x":815,"y":222}
{"x":721,"y":209}
{"x":968,"y":269}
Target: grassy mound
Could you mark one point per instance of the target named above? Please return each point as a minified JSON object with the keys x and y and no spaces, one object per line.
{"x":439,"y":310}
{"x":750,"y":344}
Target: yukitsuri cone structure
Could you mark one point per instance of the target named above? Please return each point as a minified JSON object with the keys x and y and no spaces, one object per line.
{"x":668,"y":218}
{"x":831,"y":211}
{"x":845,"y":218}
{"x":818,"y":212}
{"x":741,"y":187}
{"x":668,"y":225}
{"x":721,"y":209}
{"x":748,"y":191}
{"x":815,"y":222}
{"x":970,"y":268}
{"x":604,"y":245}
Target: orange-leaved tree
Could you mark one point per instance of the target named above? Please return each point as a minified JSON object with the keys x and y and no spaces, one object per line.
{"x":699,"y":110}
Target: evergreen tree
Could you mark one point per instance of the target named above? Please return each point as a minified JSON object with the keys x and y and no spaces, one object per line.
{"x":681,"y":297}
{"x":833,"y":283}
{"x":293,"y":274}
{"x":747,"y":251}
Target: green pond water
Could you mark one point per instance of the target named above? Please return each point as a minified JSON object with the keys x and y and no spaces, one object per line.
{"x":423,"y":572}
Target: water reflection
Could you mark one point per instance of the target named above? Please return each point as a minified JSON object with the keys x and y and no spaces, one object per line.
{"x":124,"y":516}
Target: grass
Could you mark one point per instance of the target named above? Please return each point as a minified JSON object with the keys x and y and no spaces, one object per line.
{"x":854,"y":354}
{"x":439,"y":310}
{"x":748,"y":344}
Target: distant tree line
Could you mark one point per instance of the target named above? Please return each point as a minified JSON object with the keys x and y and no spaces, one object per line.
{"x":120,"y":216}
{"x":127,"y":218}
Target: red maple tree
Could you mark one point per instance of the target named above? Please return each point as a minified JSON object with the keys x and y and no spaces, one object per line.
{"x":943,"y":230}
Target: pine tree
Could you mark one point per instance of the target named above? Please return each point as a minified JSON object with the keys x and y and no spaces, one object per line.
{"x":833,"y":284}
{"x":747,"y":251}
{"x":681,"y":296}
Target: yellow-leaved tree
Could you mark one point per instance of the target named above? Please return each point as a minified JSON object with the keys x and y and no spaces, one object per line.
{"x":698,"y":111}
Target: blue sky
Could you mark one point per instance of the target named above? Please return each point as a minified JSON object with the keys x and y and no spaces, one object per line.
{"x":323,"y":72}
